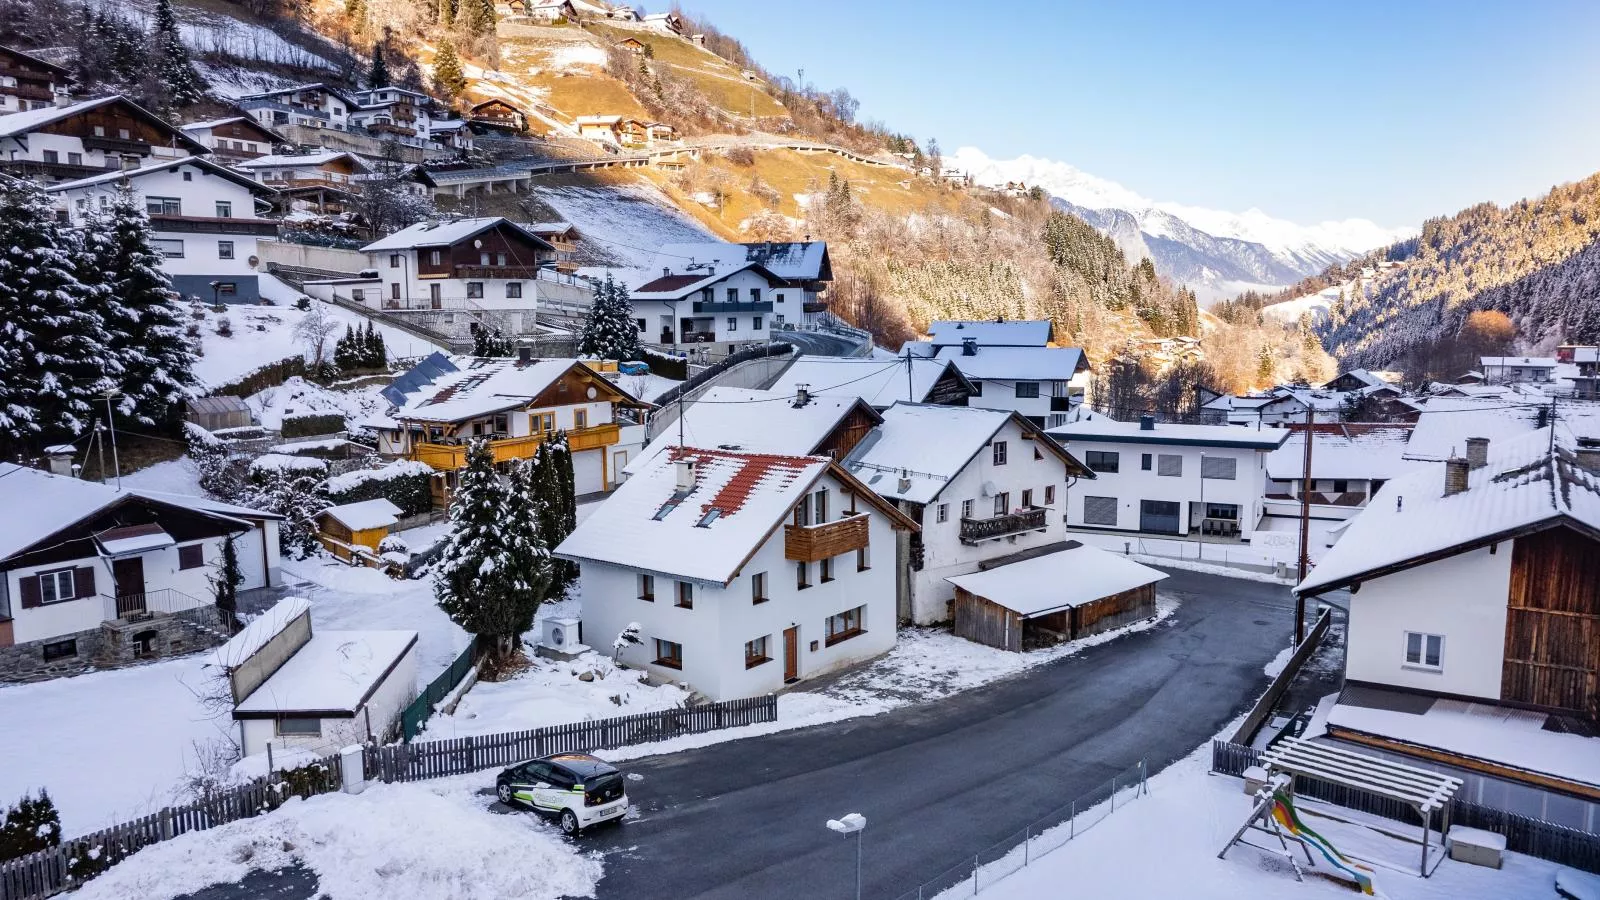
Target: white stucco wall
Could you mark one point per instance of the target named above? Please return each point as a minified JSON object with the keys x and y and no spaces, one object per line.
{"x":1131,"y":483}
{"x":1462,"y":598}
{"x":383,"y":707}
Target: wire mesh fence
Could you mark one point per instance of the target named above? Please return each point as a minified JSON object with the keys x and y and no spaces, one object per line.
{"x":1049,"y":832}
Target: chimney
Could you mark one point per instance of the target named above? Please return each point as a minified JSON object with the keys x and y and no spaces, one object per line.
{"x":1455,"y":475}
{"x":666,"y":271}
{"x":524,"y":355}
{"x":685,"y":470}
{"x":969,"y":346}
{"x":61,"y":460}
{"x":905,"y":481}
{"x":1147,"y":423}
{"x":802,"y":395}
{"x":1477,"y":452}
{"x":1588,"y":459}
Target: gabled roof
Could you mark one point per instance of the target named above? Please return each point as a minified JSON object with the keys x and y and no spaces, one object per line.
{"x":59,"y":70}
{"x":1370,"y":379}
{"x":598,"y":120}
{"x":757,"y":421}
{"x":1445,"y":423}
{"x":247,"y":121}
{"x":1350,"y":451}
{"x":339,"y":92}
{"x":994,"y":333}
{"x":921,"y":448}
{"x":1017,"y":363}
{"x":285,"y":160}
{"x":1530,"y":483}
{"x":494,"y":101}
{"x":677,"y":287}
{"x":1096,"y":428}
{"x":648,"y":525}
{"x":166,"y":165}
{"x":447,"y":234}
{"x":364,"y":515}
{"x":788,"y":260}
{"x":34,"y":119}
{"x":881,"y":383}
{"x":481,"y":386}
{"x":1519,"y":362}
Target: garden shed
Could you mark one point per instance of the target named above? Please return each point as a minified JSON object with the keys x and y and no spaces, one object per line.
{"x":213,"y":413}
{"x":344,"y":528}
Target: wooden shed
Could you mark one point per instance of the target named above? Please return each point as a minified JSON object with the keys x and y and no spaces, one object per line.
{"x":213,"y":413}
{"x":343,"y":529}
{"x":1071,"y":593}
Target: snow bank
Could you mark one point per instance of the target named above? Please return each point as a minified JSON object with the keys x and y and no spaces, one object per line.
{"x":422,"y":841}
{"x":349,"y":481}
{"x":282,"y":462}
{"x":363,"y":599}
{"x":298,"y":397}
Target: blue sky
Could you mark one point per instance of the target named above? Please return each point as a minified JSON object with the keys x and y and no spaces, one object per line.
{"x":1309,"y":110}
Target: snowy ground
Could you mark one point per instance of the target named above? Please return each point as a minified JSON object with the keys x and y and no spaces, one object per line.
{"x":648,"y":386}
{"x":629,"y":222}
{"x":433,"y":840}
{"x":176,"y":476}
{"x":298,"y":397}
{"x":1192,"y":556}
{"x":359,"y":598}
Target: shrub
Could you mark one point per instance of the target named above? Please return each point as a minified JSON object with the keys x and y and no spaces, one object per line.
{"x":403,"y":483}
{"x":306,"y":426}
{"x":674,"y":367}
{"x":225,"y":327}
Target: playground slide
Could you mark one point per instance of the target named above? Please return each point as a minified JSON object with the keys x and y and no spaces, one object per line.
{"x":1283,"y":810}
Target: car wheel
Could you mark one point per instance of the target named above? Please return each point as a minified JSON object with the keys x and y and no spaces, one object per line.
{"x":569,"y":823}
{"x":503,"y":791}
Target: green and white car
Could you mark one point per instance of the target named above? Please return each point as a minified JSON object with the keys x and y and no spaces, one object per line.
{"x":577,"y":789}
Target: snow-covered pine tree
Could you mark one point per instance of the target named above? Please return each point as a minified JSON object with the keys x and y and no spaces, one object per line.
{"x":378,"y":76}
{"x":375,"y":353}
{"x":558,"y":511}
{"x":527,"y":555}
{"x":173,"y":70}
{"x":31,"y":825}
{"x":447,"y":74}
{"x":146,"y":320}
{"x":345,"y":351}
{"x":490,"y":342}
{"x":295,"y":497}
{"x":610,"y":332}
{"x":479,"y":582}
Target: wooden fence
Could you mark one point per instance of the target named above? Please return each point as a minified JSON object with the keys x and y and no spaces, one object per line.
{"x":1524,"y":834}
{"x":1275,"y":691}
{"x":436,"y":759}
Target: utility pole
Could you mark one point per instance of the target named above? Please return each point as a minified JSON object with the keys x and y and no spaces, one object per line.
{"x":111,"y":423}
{"x":911,"y":390}
{"x":100,"y":446}
{"x":1305,"y":528}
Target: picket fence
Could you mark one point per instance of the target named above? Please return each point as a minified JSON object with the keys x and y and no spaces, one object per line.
{"x":64,"y":867}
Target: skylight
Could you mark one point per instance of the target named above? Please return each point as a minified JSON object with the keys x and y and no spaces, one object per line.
{"x":711,"y":516}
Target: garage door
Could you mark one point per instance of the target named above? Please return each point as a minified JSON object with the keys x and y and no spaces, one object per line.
{"x":1159,"y":516}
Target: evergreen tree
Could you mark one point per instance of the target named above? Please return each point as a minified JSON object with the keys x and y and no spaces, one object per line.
{"x":610,"y":331}
{"x":345,"y":350}
{"x":1264,"y":366}
{"x":179,"y":81}
{"x":146,"y":323}
{"x":31,"y":825}
{"x":447,"y":16}
{"x":478,"y":16}
{"x":376,"y":354}
{"x":379,"y":75}
{"x":225,"y":583}
{"x":295,"y":497}
{"x":560,"y":519}
{"x":491,"y":342}
{"x":447,"y":74}
{"x":527,"y":543}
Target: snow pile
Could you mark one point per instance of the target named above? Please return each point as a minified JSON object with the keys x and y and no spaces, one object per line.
{"x":349,"y":481}
{"x":648,"y":386}
{"x":282,"y":462}
{"x":174,"y":476}
{"x":363,"y":599}
{"x":298,"y":397}
{"x":422,"y":841}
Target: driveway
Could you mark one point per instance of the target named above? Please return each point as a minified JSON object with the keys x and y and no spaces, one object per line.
{"x":937,"y":782}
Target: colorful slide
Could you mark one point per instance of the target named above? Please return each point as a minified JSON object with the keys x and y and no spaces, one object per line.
{"x":1283,"y":811}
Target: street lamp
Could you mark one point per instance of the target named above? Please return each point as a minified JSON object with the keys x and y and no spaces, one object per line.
{"x":1200,"y":550}
{"x":854,"y":823}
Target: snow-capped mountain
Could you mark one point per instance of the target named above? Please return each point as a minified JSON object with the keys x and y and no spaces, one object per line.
{"x":1215,"y":252}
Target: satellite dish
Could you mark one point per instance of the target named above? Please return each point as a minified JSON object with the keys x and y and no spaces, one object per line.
{"x":254,"y":261}
{"x":478,"y":244}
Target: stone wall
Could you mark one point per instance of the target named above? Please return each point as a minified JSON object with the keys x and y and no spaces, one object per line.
{"x":115,"y":645}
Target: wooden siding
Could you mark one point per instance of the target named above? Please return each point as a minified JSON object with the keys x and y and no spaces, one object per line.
{"x":113,"y":117}
{"x":809,"y":543}
{"x":847,"y":434}
{"x":1552,"y":649}
{"x":517,"y":247}
{"x":947,"y":391}
{"x":991,"y":624}
{"x":1114,"y":611}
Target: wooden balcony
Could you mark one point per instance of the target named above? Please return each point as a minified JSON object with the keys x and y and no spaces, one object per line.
{"x":212,"y":225}
{"x":809,"y":543}
{"x":976,"y":531}
{"x":447,"y":457}
{"x":116,"y":145}
{"x":509,"y":272}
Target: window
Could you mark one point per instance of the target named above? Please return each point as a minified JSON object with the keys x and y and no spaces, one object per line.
{"x":778,"y":298}
{"x":474,"y":290}
{"x":669,"y":654}
{"x":394,"y":291}
{"x":433,"y":258}
{"x":545,"y":422}
{"x":188,"y":175}
{"x":1169,"y":465}
{"x":60,"y":649}
{"x":1099,"y":510}
{"x":966,"y":509}
{"x":685,"y":595}
{"x":1102,"y":461}
{"x":74,"y":159}
{"x":941,"y":513}
{"x":513,"y":290}
{"x":827,"y":569}
{"x":999,"y":452}
{"x":224,"y":209}
{"x":1146,"y":460}
{"x":359,"y":295}
{"x":1002,"y":503}
{"x":501,"y":423}
{"x":733,"y":323}
{"x":733,"y":295}
{"x":299,"y":727}
{"x":1049,"y":494}
{"x":191,"y":557}
{"x":845,"y":625}
{"x":227,"y":288}
{"x":122,"y":133}
{"x":1339,"y":486}
{"x":224,"y":249}
{"x":642,"y":325}
{"x":819,"y":507}
{"x":1424,"y":650}
{"x":1027,"y":390}
{"x":99,"y":131}
{"x":500,"y":259}
{"x":758,"y":588}
{"x":1226,"y":468}
{"x":755,"y":295}
{"x":171,"y":248}
{"x":163,"y":206}
{"x":1222,"y":511}
{"x":51,"y":156}
{"x":483,"y":258}
{"x":863,"y":560}
{"x":647,"y":587}
{"x":394,"y":260}
{"x":55,"y":587}
{"x":434,"y":294}
{"x":580,"y":418}
{"x":802,"y":576}
{"x":1027,"y":499}
{"x":755,"y":323}
{"x":755,"y":652}
{"x":777,"y":320}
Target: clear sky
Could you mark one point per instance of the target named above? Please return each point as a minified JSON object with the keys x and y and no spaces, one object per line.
{"x":1310,"y":110}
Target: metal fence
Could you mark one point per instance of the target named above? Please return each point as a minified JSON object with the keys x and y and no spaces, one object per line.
{"x":1524,"y":834}
{"x":437,"y":759}
{"x":64,"y":867}
{"x":417,"y":713}
{"x":972,"y":876}
{"x":1280,"y":685}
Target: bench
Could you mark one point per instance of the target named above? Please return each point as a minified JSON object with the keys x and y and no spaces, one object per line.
{"x":1477,"y":847}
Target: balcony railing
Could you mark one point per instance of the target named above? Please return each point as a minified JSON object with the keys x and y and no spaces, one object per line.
{"x":713,"y":306}
{"x":451,"y":456}
{"x":975,"y":531}
{"x":116,"y":145}
{"x":809,"y":543}
{"x":497,"y":271}
{"x":158,"y":602}
{"x":30,"y":92}
{"x":26,"y":167}
{"x":209,"y":225}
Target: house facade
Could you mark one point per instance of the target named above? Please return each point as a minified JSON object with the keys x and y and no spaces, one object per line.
{"x":99,"y":577}
{"x":744,"y":571}
{"x":498,"y":115}
{"x":722,"y":308}
{"x":307,"y":105}
{"x":203,"y":218}
{"x":804,"y":266}
{"x":393,"y":110}
{"x":1350,"y":463}
{"x":53,"y":144}
{"x":1518,"y":369}
{"x":1163,"y":479}
{"x":325,"y":181}
{"x":469,"y":264}
{"x":28,"y":82}
{"x":1043,"y":384}
{"x":234,"y":139}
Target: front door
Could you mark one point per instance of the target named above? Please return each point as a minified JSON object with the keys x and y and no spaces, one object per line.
{"x":791,"y":655}
{"x":128,"y":573}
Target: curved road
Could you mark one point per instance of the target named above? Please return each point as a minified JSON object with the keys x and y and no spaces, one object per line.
{"x":937,"y":782}
{"x":819,"y":343}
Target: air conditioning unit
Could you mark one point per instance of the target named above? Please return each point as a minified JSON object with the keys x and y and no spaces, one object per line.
{"x":561,"y":634}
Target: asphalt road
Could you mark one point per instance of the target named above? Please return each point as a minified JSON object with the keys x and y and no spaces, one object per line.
{"x":744,"y":820}
{"x":815,"y":343}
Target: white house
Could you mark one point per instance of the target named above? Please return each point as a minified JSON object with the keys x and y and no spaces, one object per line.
{"x":234,"y":138}
{"x":723,"y":307}
{"x":28,"y":82}
{"x":203,"y":217}
{"x":1518,"y":369}
{"x":1350,"y":463}
{"x":881,"y":383}
{"x":93,"y":576}
{"x":1169,"y":479}
{"x":52,"y":144}
{"x":307,"y":105}
{"x":804,"y":267}
{"x":550,"y":10}
{"x":984,"y":486}
{"x":1473,"y":623}
{"x":1043,"y":384}
{"x":324,"y":180}
{"x":668,"y":23}
{"x":480,"y":264}
{"x":743,"y":571}
{"x":764,"y":422}
{"x":296,"y":689}
{"x":393,"y":110}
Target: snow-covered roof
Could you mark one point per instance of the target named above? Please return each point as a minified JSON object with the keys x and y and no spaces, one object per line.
{"x":1017,"y":363}
{"x":1445,"y":423}
{"x":1097,"y":428}
{"x":996,"y":333}
{"x":17,"y":123}
{"x":1065,"y":579}
{"x":128,"y":539}
{"x":1370,"y":379}
{"x":1344,"y":452}
{"x":295,"y":89}
{"x":646,"y":524}
{"x":364,"y":515}
{"x":333,"y":673}
{"x":255,"y":635}
{"x":289,"y":160}
{"x":482,"y":386}
{"x":788,"y":260}
{"x":163,"y":165}
{"x":444,"y":234}
{"x":676,"y":287}
{"x":758,"y":421}
{"x":880,"y":383}
{"x":1509,"y":362}
{"x":1529,"y":482}
{"x":439,"y":126}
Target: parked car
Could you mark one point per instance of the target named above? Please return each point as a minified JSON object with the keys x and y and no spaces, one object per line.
{"x":576,"y":789}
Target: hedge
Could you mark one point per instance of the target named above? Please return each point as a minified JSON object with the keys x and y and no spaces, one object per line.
{"x":308,"y":426}
{"x":269,"y":375}
{"x":403,"y":483}
{"x":674,"y":367}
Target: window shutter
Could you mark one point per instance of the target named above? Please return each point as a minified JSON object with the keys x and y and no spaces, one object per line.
{"x":30,"y":592}
{"x":83,"y":582}
{"x":1099,"y":510}
{"x":1224,"y":468}
{"x":1169,"y":464}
